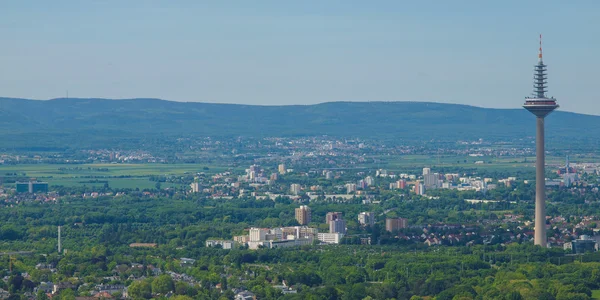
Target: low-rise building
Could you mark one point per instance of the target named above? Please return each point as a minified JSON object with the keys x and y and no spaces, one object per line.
{"x":582,"y":245}
{"x":225,"y":244}
{"x":330,"y":238}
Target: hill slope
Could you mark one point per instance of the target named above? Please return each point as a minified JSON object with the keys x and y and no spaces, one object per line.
{"x":92,"y":122}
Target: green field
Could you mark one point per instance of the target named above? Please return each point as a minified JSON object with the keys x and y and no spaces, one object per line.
{"x":137,"y":175}
{"x":595,"y":294}
{"x":116,"y":175}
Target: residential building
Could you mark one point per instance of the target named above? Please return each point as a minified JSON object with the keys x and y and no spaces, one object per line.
{"x":350,"y":188}
{"x":419,"y":188}
{"x":431,"y":181}
{"x":281,"y":169}
{"x":298,"y":232}
{"x":370,"y":181}
{"x":258,"y":234}
{"x":330,"y":238}
{"x":195,"y":187}
{"x":401,"y":184}
{"x":241,"y":239}
{"x":337,"y":226}
{"x":274,"y":234}
{"x":381,"y":173}
{"x":332,"y":216}
{"x":328,"y":175}
{"x":366,"y":218}
{"x":303,"y":215}
{"x":393,"y":225}
{"x":223,"y":243}
{"x":295,"y":188}
{"x":361,"y":184}
{"x":287,"y":243}
{"x":245,"y":295}
{"x":274,"y":177}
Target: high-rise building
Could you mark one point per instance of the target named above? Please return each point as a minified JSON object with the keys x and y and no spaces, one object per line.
{"x":332,"y":216}
{"x":370,"y":181}
{"x":401,"y":184}
{"x":540,"y":106}
{"x":195,"y":187}
{"x":328,"y":175}
{"x":393,"y":225}
{"x":281,"y":168}
{"x":337,"y":226}
{"x":350,"y":187}
{"x":303,"y":215}
{"x":426,"y":171}
{"x":419,"y":188}
{"x":362,"y":184}
{"x":366,"y":218}
{"x":258,"y":234}
{"x":295,"y":188}
{"x":431,"y":180}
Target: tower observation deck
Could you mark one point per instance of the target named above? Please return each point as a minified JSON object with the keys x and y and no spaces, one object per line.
{"x":539,"y":104}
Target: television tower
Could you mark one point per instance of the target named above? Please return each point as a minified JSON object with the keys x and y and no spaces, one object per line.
{"x":540,"y":106}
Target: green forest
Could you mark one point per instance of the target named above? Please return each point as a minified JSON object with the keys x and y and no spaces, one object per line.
{"x":97,"y":232}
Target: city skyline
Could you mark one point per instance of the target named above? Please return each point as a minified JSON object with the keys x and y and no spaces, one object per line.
{"x":280,"y":54}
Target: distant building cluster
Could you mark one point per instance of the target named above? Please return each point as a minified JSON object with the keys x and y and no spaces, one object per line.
{"x":280,"y":237}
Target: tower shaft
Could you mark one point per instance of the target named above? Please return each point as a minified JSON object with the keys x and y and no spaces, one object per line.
{"x":540,"y":186}
{"x":540,"y":105}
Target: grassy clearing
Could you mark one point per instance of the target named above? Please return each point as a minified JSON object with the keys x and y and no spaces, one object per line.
{"x":46,"y":170}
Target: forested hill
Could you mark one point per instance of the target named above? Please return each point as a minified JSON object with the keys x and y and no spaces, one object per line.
{"x":32,"y":122}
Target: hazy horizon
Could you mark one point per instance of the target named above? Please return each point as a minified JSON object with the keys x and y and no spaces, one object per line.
{"x":272,"y":53}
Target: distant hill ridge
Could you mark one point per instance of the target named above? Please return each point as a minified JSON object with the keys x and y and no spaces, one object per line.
{"x":60,"y":120}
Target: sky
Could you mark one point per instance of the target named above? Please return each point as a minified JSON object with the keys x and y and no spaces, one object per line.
{"x":301,"y":52}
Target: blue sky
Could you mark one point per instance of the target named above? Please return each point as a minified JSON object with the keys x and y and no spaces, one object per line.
{"x":300,"y":52}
